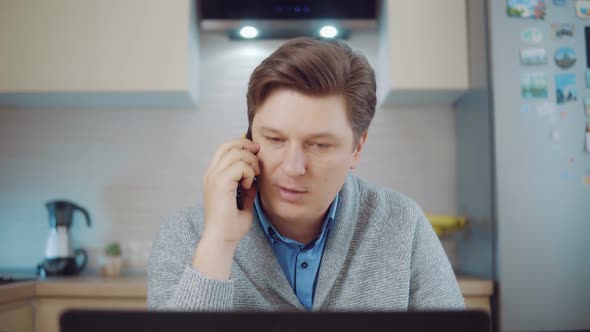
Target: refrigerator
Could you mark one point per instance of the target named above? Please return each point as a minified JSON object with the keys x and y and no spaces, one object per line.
{"x":523,"y":148}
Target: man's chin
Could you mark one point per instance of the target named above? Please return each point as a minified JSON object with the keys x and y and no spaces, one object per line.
{"x":287,"y":210}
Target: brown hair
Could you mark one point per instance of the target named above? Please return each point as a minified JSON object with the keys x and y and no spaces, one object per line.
{"x":318,"y":67}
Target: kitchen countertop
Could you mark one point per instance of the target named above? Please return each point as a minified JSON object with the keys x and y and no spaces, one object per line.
{"x":18,"y":291}
{"x":136,"y":287}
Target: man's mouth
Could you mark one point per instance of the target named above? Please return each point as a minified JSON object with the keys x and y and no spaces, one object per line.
{"x":293,"y":189}
{"x":290,"y":194}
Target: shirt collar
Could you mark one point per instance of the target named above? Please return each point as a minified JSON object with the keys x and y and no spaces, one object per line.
{"x":273,"y":235}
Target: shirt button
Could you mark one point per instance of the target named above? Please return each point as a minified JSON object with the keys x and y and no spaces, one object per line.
{"x":304,"y":265}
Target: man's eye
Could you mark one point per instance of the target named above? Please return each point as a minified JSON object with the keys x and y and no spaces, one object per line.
{"x":274,"y":139}
{"x":322,"y":145}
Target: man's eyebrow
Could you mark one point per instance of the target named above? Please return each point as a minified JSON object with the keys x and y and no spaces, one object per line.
{"x":323,"y":135}
{"x":318,"y":135}
{"x":264,"y":128}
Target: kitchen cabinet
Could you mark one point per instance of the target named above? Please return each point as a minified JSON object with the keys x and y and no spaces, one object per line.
{"x":423,"y":52}
{"x":98,"y":53}
{"x":37,"y":305}
{"x":48,"y":310}
{"x":53,"y":296}
{"x":476,"y":293}
{"x":17,"y":316}
{"x":17,"y":306}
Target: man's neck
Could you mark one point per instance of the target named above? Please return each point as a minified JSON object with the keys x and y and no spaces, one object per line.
{"x":301,"y":231}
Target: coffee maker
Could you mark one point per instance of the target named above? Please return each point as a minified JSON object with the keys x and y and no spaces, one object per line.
{"x":60,"y":257}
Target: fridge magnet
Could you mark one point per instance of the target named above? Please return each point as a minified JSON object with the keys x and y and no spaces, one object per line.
{"x":587,"y":106}
{"x":563,"y":115}
{"x":528,"y":9}
{"x":533,"y":56}
{"x":565,"y":88}
{"x":588,"y":137}
{"x":586,"y":180}
{"x":555,"y":135}
{"x":525,"y":108}
{"x":562,"y":31}
{"x":565,"y":57}
{"x":565,"y":174}
{"x":533,"y":85}
{"x":546,"y":109}
{"x":560,"y":3}
{"x":583,"y":9}
{"x":531,"y":36}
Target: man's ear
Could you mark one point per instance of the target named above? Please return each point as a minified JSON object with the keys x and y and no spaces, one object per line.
{"x":358,"y":149}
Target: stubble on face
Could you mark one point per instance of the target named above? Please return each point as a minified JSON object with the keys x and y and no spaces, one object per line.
{"x":305,"y":145}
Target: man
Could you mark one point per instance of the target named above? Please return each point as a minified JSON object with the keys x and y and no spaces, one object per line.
{"x":310,"y":236}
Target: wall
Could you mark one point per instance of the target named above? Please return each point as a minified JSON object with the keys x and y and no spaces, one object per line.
{"x":474,"y":184}
{"x":474,"y":154}
{"x":133,"y":168}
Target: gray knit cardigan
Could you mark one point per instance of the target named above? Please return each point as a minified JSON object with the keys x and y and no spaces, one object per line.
{"x":381,"y":255}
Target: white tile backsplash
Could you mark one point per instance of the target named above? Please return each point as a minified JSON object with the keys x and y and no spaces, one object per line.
{"x":133,"y":168}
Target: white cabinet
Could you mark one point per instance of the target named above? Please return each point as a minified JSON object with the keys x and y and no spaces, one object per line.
{"x":70,"y":52}
{"x":423,"y":55}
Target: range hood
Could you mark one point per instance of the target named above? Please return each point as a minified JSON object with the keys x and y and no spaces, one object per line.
{"x":288,"y":18}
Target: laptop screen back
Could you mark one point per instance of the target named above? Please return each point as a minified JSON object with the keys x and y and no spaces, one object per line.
{"x":149,"y":321}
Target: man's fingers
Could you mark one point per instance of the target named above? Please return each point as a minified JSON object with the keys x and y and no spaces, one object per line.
{"x":235,"y":155}
{"x":243,"y":173}
{"x":240,"y":144}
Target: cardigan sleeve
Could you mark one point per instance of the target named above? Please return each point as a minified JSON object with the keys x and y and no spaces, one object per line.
{"x":433,"y":285}
{"x":173,"y":284}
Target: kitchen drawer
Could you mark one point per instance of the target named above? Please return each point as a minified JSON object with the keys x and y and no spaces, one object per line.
{"x":17,"y":316}
{"x":48,"y":310}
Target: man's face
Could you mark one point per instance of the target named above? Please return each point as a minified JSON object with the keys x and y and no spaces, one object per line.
{"x":306,"y":151}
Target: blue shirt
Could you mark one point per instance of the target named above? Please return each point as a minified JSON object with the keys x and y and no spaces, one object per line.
{"x":300,"y":262}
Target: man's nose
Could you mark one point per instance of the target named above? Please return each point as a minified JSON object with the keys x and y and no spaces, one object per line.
{"x":293,"y":163}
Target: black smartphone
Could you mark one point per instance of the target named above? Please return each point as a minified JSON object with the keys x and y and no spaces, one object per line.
{"x":240,"y":191}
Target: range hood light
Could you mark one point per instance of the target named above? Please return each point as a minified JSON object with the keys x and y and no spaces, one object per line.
{"x":249,"y":32}
{"x":328,"y":31}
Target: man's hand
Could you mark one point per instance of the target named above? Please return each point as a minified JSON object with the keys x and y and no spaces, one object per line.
{"x":225,"y":225}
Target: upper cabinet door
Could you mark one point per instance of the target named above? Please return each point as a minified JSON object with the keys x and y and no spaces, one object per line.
{"x":80,"y":49}
{"x":423,"y":55}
